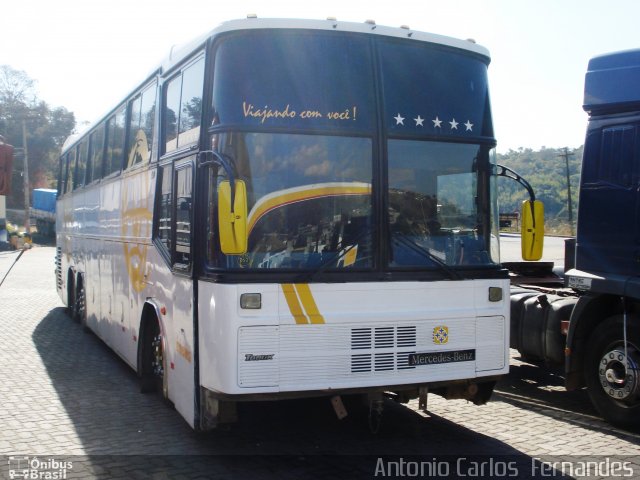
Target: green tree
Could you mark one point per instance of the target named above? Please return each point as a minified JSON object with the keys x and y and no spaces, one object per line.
{"x":46,"y":129}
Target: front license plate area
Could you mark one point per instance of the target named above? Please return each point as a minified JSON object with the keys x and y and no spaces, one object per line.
{"x":437,"y":358}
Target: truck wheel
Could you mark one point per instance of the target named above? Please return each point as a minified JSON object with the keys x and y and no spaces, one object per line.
{"x":613,"y":379}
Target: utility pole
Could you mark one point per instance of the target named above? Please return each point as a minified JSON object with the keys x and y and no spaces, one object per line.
{"x":25,"y":175}
{"x":566,"y":156}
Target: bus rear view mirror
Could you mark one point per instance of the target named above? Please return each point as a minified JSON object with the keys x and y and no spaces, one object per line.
{"x":532,"y":229}
{"x":232,"y":220}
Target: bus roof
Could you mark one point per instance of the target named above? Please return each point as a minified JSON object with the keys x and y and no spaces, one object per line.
{"x":178,"y":53}
{"x":612,"y":82}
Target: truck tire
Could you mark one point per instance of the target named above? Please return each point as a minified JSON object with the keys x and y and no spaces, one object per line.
{"x":614,"y":392}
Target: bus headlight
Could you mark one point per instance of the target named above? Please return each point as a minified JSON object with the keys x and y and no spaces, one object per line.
{"x":251,"y":301}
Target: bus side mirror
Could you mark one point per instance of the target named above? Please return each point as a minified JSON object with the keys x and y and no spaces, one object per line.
{"x":532,"y":229}
{"x":232,"y":222}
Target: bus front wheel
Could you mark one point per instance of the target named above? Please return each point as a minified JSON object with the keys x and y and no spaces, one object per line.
{"x":152,"y":369}
{"x":80,"y":304}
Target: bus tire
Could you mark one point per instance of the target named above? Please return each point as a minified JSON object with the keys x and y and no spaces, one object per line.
{"x":614,"y":393}
{"x":152,"y":359}
{"x":71,"y":295}
{"x":80,"y":305}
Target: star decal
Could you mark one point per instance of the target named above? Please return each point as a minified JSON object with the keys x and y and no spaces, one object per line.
{"x":437,"y":123}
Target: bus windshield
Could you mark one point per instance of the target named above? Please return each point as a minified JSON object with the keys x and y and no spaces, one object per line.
{"x":433,"y":204}
{"x":309,"y":198}
{"x":344,"y":172}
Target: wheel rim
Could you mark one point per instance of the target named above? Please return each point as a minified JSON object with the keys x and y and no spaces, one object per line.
{"x":617,"y":381}
{"x":157,"y":363}
{"x":82,"y":303}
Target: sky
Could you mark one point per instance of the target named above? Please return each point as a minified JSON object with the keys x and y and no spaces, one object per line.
{"x":86,"y":55}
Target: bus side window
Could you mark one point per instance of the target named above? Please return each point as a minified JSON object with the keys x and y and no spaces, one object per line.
{"x":96,"y":154}
{"x":61,"y":176}
{"x":174,"y":219}
{"x":62,"y":188}
{"x":140,"y":131}
{"x":191,"y":104}
{"x":183,"y":107}
{"x":81,"y":164}
{"x":171,"y":112}
{"x":69,"y":171}
{"x":115,"y":142}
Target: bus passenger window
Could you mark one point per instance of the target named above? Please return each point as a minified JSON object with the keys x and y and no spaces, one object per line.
{"x":183,"y":107}
{"x":115,"y":142}
{"x":141,"y":127}
{"x":96,"y":153}
{"x":191,"y":104}
{"x":171,"y":112}
{"x":71,"y":163}
{"x":64,"y":172}
{"x":81,"y":166}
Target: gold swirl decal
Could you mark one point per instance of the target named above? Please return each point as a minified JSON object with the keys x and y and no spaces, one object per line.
{"x":136,"y":215}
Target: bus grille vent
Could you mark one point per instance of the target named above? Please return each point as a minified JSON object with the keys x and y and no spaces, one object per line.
{"x":384,"y":362}
{"x":361,"y":363}
{"x":384,"y":337}
{"x":361,"y":339}
{"x":407,"y":336}
{"x":382,"y":343}
{"x":403,"y":361}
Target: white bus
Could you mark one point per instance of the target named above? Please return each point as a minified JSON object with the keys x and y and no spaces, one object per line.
{"x":291,"y":208}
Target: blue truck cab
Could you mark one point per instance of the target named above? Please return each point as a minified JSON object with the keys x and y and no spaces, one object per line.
{"x":603,"y":339}
{"x":592,"y":325}
{"x":608,"y":240}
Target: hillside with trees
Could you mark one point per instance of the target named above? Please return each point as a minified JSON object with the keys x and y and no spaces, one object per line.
{"x":546,"y":171}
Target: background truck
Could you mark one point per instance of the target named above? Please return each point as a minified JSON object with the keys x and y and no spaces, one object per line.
{"x":43,"y":211}
{"x":590,"y":324}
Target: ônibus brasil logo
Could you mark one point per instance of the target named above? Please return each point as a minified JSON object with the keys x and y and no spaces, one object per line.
{"x":38,"y":468}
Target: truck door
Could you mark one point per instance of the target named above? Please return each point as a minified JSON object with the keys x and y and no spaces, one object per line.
{"x":608,"y":232}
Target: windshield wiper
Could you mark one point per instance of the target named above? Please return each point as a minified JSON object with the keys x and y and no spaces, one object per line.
{"x":419,"y":249}
{"x":337,"y":255}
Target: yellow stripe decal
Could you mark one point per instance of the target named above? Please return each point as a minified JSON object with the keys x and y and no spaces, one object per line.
{"x":294,"y":305}
{"x":309,"y":304}
{"x":288,"y":196}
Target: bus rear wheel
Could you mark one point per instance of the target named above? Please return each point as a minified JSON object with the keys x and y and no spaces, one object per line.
{"x":612,"y":371}
{"x":80,"y":305}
